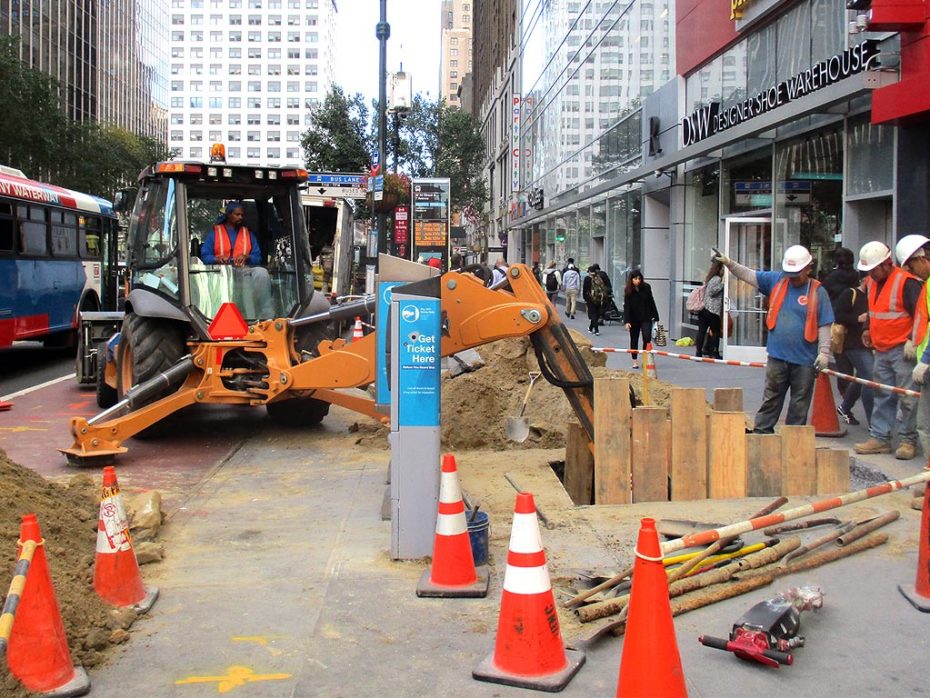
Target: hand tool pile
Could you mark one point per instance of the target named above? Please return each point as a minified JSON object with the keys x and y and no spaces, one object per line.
{"x":728,"y":567}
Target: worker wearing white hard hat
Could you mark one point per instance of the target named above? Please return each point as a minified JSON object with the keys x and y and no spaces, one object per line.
{"x":894,"y":295}
{"x":911,"y":252}
{"x":798,"y":343}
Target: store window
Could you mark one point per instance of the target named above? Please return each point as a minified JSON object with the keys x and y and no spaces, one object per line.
{"x":870,"y":150}
{"x":747,"y":183}
{"x":624,"y":237}
{"x":702,"y":220}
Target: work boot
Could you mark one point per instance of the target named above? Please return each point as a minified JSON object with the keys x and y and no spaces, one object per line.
{"x":905,"y":451}
{"x":873,"y":445}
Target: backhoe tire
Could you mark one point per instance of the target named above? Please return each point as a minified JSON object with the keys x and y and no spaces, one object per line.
{"x":147,"y":346}
{"x":298,"y":412}
{"x":106,"y":396}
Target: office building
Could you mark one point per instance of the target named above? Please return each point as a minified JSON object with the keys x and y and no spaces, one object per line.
{"x":110,"y":59}
{"x":247,"y":73}
{"x":456,"y":53}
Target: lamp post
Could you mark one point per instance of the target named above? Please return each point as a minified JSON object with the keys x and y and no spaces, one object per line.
{"x":383,"y":33}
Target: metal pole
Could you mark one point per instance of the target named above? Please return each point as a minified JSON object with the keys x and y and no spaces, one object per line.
{"x":383,"y":33}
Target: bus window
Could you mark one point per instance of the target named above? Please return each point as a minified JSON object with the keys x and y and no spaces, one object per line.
{"x":33,"y":238}
{"x":90,"y":238}
{"x":6,"y":235}
{"x":64,"y":240}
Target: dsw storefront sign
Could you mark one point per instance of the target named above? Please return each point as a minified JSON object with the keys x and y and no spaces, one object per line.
{"x":707,"y":121}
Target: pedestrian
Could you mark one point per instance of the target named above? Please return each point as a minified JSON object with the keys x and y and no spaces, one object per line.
{"x":893,"y":296}
{"x":537,"y":272}
{"x":551,"y":281}
{"x":843,"y":276}
{"x":850,"y":308}
{"x":639,"y":311}
{"x":499,"y":271}
{"x":798,"y":345}
{"x":570,"y":262}
{"x":571,"y":285}
{"x":912,"y":251}
{"x":595,"y":295}
{"x":709,"y":317}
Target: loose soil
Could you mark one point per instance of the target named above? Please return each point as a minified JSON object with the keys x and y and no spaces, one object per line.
{"x":68,"y":520}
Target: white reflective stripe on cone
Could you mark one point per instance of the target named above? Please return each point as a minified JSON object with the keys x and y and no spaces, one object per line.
{"x":451,"y":524}
{"x":449,"y":490}
{"x":527,"y":580}
{"x":524,"y":536}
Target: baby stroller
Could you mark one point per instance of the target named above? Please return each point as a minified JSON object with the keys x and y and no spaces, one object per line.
{"x":611,"y":313}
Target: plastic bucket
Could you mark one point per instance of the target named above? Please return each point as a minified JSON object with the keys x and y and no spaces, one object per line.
{"x":478,"y":533}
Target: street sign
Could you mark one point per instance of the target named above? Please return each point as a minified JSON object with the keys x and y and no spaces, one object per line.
{"x":375,"y":161}
{"x":337,"y":185}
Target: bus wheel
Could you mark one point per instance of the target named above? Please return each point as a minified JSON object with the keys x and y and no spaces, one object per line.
{"x":147,"y":347}
{"x":298,"y":412}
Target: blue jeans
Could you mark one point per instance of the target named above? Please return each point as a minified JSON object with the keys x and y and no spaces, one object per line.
{"x":779,"y":377}
{"x":861,"y":360}
{"x":891,"y":368}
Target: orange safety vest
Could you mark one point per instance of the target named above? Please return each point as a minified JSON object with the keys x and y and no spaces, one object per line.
{"x":778,"y":297}
{"x":221,"y":245}
{"x":890,"y":324}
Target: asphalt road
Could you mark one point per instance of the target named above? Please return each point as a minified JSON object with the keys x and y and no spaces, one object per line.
{"x":26,"y":364}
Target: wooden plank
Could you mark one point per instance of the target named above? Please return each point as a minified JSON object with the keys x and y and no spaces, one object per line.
{"x":763,"y":453}
{"x":832,"y":470}
{"x":688,"y":463}
{"x":649,"y":453}
{"x":579,"y":465}
{"x":726,"y":455}
{"x":798,"y":460}
{"x":612,"y":414}
{"x":728,"y":399}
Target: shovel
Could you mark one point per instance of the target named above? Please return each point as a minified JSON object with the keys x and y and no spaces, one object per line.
{"x":518,"y":428}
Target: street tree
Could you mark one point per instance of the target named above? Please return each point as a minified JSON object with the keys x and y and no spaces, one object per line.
{"x":338,"y":138}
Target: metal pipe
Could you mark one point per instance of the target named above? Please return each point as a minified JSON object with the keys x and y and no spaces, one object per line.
{"x":346,"y":311}
{"x":140,"y":393}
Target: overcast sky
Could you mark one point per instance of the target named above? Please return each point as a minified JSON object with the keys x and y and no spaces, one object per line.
{"x":415,"y":35}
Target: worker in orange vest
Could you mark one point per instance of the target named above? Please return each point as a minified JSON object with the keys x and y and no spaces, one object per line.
{"x":912,"y":252}
{"x":893,"y":296}
{"x":230,"y":242}
{"x":798,"y":344}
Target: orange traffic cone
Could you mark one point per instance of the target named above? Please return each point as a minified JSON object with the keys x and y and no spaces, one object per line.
{"x":453,"y":572}
{"x":919,"y":595}
{"x":650,"y":664}
{"x":357,"y":333}
{"x":529,"y":652}
{"x":38,"y":652}
{"x":4,"y":406}
{"x":823,"y":417}
{"x":116,"y":572}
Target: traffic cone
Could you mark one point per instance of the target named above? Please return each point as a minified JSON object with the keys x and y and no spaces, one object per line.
{"x":528,"y":652}
{"x":453,"y":572}
{"x":116,"y":572}
{"x":357,"y":333}
{"x":4,"y":406}
{"x":919,"y":594}
{"x":823,"y":417}
{"x":650,"y":664}
{"x":38,"y":653}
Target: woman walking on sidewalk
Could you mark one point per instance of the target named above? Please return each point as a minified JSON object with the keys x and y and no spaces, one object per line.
{"x":639,"y":311}
{"x":710,"y":315}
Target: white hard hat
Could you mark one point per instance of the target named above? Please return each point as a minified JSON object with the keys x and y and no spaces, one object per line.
{"x":908,"y":245}
{"x":797,"y":258}
{"x":872,"y":254}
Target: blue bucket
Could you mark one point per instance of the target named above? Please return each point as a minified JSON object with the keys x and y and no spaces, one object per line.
{"x":478,"y":534}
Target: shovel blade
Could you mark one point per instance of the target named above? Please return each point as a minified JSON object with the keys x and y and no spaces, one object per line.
{"x":517,"y":429}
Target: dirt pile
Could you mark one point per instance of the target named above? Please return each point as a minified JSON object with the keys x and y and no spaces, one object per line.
{"x":475,"y":405}
{"x":68,"y":519}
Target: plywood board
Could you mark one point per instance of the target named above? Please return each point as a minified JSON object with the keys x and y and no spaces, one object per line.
{"x":726,"y":455}
{"x":832,"y":470}
{"x":579,"y":465}
{"x":763,"y":453}
{"x":688,"y":463}
{"x":728,"y":399}
{"x":798,"y":461}
{"x":649,"y":452}
{"x":612,"y":415}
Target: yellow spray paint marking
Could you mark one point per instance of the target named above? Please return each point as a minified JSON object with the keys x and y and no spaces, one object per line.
{"x":261,"y":641}
{"x":19,"y":429}
{"x":236,"y":677}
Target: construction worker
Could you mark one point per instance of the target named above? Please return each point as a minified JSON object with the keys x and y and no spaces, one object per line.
{"x":893,"y":295}
{"x":911,"y":252}
{"x":798,"y":345}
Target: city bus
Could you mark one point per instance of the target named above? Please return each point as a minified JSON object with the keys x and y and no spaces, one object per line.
{"x":57,"y":259}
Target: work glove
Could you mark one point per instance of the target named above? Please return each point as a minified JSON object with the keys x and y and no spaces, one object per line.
{"x":919,"y":373}
{"x":822,"y":361}
{"x":910,"y":351}
{"x":723,"y":259}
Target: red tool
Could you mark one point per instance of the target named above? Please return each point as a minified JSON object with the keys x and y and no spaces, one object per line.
{"x":768,"y":631}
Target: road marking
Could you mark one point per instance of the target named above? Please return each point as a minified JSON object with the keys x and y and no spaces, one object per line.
{"x":236,"y":677}
{"x":16,"y":430}
{"x":26,"y":391}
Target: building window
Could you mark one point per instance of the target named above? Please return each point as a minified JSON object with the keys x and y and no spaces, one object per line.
{"x":255,"y":69}
{"x":216,"y":102}
{"x":293,"y":120}
{"x":216,"y":119}
{"x":293,"y":86}
{"x":255,"y":86}
{"x":273,"y":120}
{"x":274,"y":69}
{"x":177,"y":85}
{"x":255,"y":53}
{"x":253,"y":136}
{"x":196,"y":135}
{"x":255,"y":20}
{"x":177,"y":36}
{"x":274,"y":86}
{"x":177,"y":20}
{"x":255,"y":36}
{"x":177,"y":135}
{"x":274,"y":102}
{"x":196,"y":102}
{"x":177,"y":118}
{"x":254,"y":119}
{"x":234,"y":119}
{"x":254,"y":103}
{"x":235,"y":86}
{"x":196,"y":119}
{"x":233,"y":153}
{"x":234,"y":136}
{"x":235,"y":53}
{"x":234,"y":102}
{"x":274,"y":20}
{"x":274,"y":37}
{"x":252,"y":153}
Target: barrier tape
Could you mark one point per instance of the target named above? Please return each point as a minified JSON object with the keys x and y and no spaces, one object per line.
{"x":872,"y":384}
{"x":15,"y":592}
{"x":684,"y":357}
